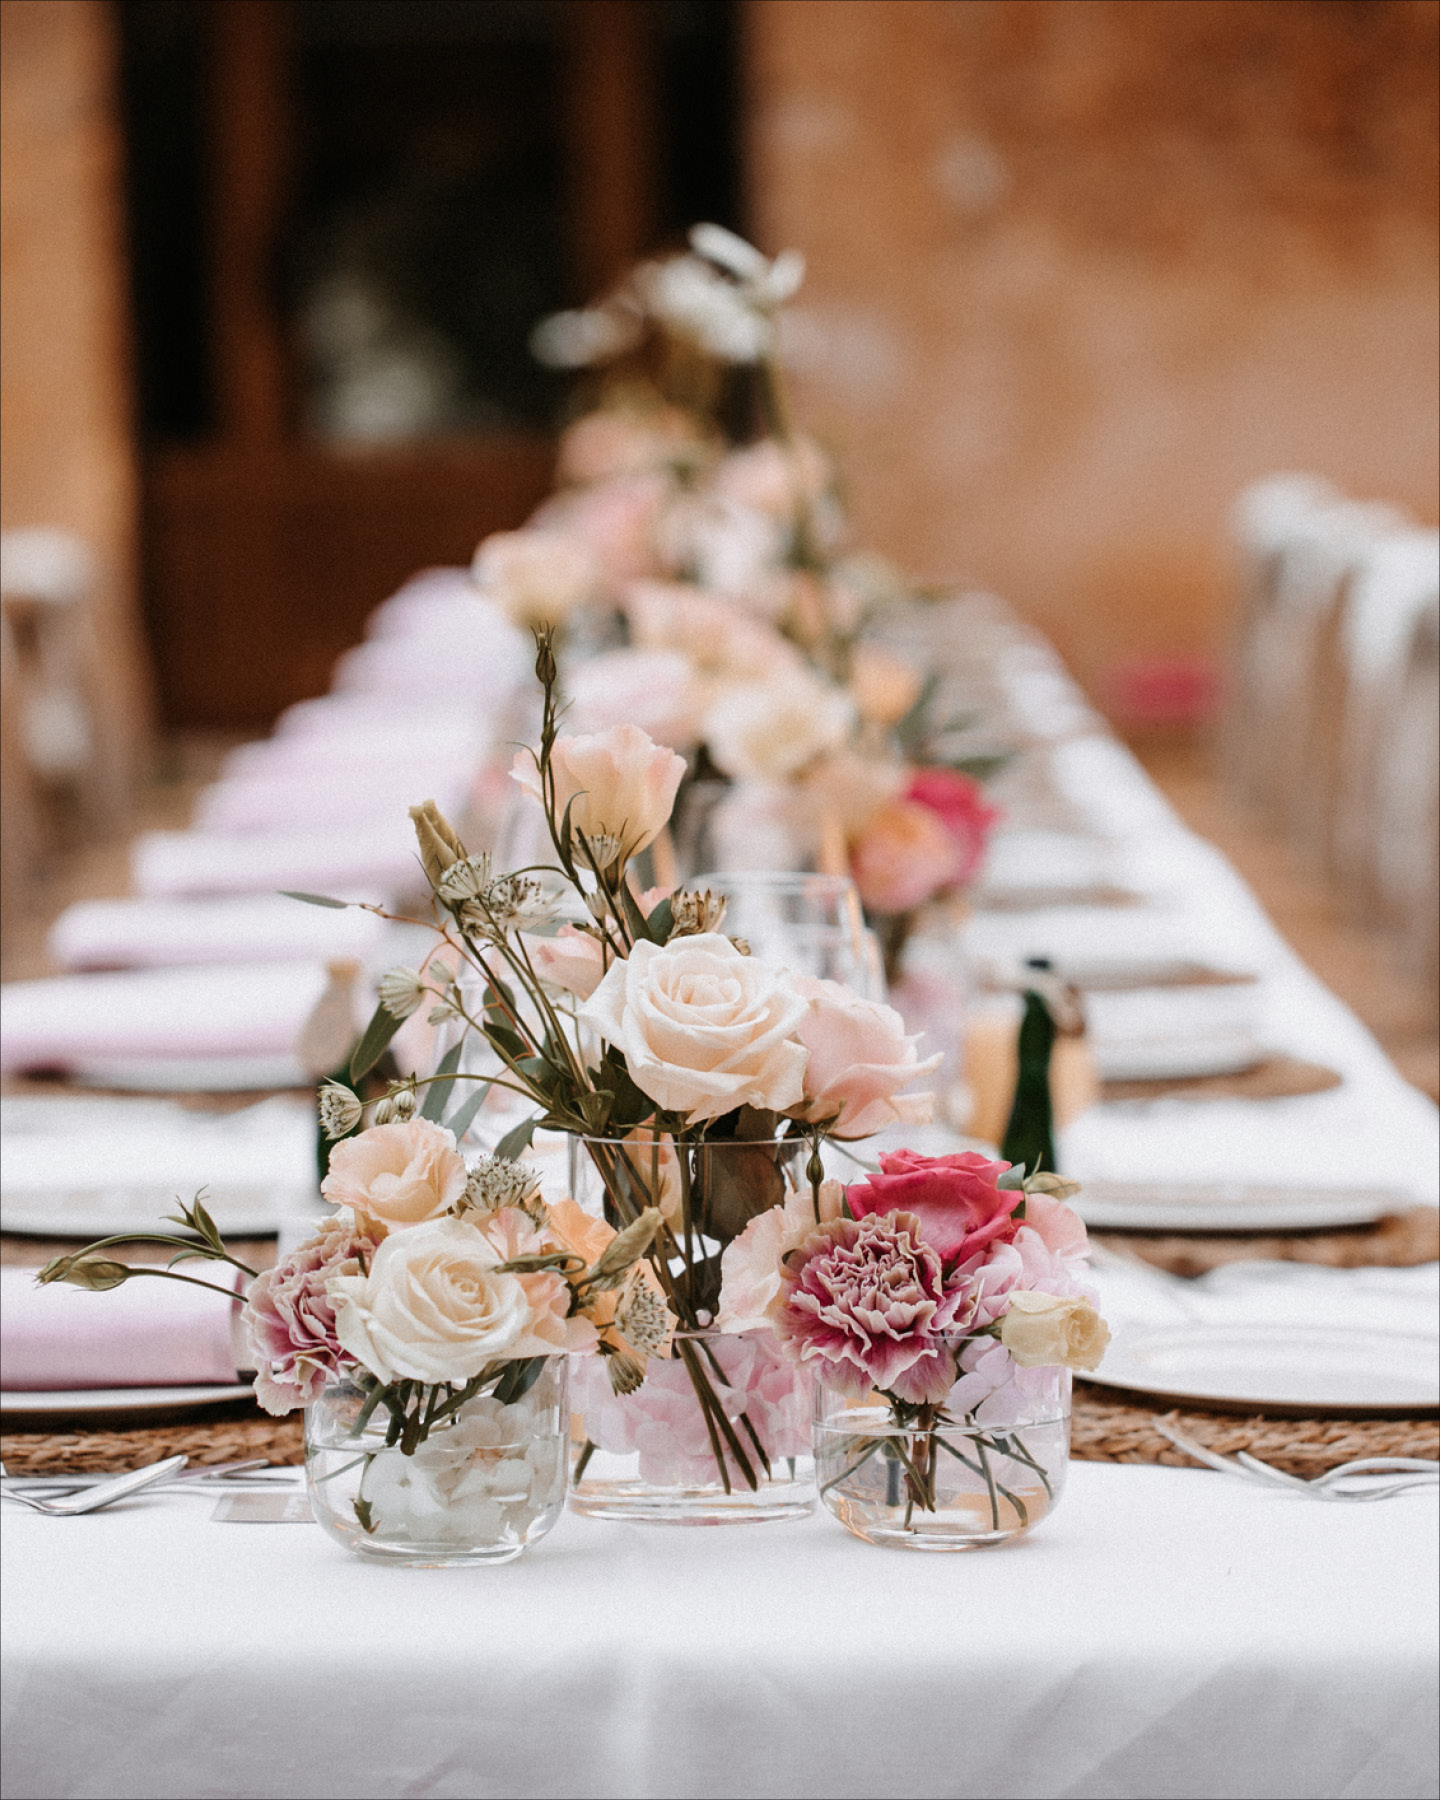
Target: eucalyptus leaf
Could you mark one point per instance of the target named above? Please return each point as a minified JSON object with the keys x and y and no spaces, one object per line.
{"x":516,"y":1140}
{"x":464,"y":1115}
{"x":378,"y":1033}
{"x":316,"y":899}
{"x":662,"y":922}
{"x":437,"y":1092}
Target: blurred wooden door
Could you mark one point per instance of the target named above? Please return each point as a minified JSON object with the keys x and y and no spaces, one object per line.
{"x":476,"y":165}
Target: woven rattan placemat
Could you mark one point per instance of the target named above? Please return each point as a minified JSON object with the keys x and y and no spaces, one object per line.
{"x":1104,"y":1430}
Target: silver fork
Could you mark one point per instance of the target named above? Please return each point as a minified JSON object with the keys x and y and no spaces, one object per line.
{"x":1412,"y":1472}
{"x":106,"y":1494}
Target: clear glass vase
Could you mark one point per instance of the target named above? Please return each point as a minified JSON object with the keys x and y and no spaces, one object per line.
{"x":719,"y":1431}
{"x":656,"y":1454}
{"x":983,"y":1467}
{"x":485,"y":1483}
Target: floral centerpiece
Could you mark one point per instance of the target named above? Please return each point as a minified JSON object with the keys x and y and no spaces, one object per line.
{"x":941,"y":1303}
{"x":698,"y":1083}
{"x":709,"y":532}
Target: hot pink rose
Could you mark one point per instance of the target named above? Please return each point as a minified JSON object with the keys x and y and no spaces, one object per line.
{"x":955,"y":1199}
{"x":290,"y":1320}
{"x":958,"y":801}
{"x":903,"y":857}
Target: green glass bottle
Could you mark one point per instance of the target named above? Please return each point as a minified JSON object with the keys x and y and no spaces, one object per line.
{"x":1030,"y":1134}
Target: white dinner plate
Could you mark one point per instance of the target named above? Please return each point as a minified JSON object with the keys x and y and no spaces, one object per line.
{"x":1230,"y":1206}
{"x":135,"y":1403}
{"x":1300,"y":1368}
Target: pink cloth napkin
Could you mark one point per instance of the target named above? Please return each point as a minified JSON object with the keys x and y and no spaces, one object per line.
{"x":248,"y":928}
{"x":147,"y":1333}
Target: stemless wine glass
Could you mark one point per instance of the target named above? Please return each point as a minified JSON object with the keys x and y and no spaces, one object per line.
{"x":813,"y":924}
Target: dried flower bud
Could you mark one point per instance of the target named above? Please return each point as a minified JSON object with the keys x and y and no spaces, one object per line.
{"x":98,"y":1273}
{"x":340,"y":1110}
{"x":629,"y":1245}
{"x":742,"y":945}
{"x":625,"y":1372}
{"x":439,"y":846}
{"x":546,"y":672}
{"x":695,"y":913}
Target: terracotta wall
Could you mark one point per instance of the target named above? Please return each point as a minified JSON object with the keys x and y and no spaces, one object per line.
{"x":1079,"y":269}
{"x":66,"y":453}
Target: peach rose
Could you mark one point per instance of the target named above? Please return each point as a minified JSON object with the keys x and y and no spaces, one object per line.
{"x":703,"y":1028}
{"x":623,"y":785}
{"x":400,"y":1174}
{"x":572,"y":960}
{"x":884,"y":687}
{"x":903,"y":858}
{"x":860,"y":1058}
{"x":535,"y":575}
{"x":1040,"y":1330}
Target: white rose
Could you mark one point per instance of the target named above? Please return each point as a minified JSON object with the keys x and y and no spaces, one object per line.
{"x":703,"y":1029}
{"x":1040,"y":1330}
{"x":432,"y":1307}
{"x":770,"y":730}
{"x":536,"y":575}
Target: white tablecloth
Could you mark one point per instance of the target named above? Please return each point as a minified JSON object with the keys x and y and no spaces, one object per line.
{"x":1164,"y":1633}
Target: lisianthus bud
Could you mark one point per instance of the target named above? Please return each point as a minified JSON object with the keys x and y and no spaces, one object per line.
{"x":98,"y":1273}
{"x":439,"y":846}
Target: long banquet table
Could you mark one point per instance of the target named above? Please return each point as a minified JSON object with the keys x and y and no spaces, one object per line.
{"x":1167,"y":1632}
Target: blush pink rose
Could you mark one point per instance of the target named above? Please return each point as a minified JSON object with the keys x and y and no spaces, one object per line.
{"x":903,"y":857}
{"x":400,"y":1174}
{"x":572,"y":960}
{"x":955,"y":1199}
{"x":958,"y":801}
{"x":622,"y":783}
{"x":860,"y":1058}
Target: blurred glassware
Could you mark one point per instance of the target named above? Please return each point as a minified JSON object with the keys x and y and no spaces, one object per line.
{"x":812,"y":923}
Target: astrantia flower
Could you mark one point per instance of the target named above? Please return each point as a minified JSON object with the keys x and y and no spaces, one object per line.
{"x":868,"y":1300}
{"x":465,"y":880}
{"x":340,"y":1110}
{"x":496,"y":1181}
{"x":401,"y":991}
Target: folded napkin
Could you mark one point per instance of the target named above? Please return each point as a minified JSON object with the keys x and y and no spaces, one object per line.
{"x":1152,"y":1033}
{"x":360,"y":748}
{"x":450,"y":666}
{"x":363,"y":862}
{"x":350,"y":722}
{"x":67,"y":1021}
{"x":274,"y":800}
{"x":148,"y":1333}
{"x":154,"y":933}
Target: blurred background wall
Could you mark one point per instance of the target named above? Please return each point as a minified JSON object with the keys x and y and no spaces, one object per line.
{"x":1079,"y":269}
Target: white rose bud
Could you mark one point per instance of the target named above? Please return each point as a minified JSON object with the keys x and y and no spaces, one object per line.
{"x":1040,"y":1330}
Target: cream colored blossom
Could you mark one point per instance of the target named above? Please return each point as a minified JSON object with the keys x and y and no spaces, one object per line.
{"x":1041,"y":1329}
{"x":704,"y":1029}
{"x":770,"y":731}
{"x":400,"y":1174}
{"x":538,"y":577}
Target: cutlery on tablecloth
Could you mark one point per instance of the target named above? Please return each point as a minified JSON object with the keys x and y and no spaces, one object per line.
{"x":1411,"y":1472}
{"x":105,"y":1494}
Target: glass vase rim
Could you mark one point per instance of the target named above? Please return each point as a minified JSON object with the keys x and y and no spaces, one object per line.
{"x":632,"y":1143}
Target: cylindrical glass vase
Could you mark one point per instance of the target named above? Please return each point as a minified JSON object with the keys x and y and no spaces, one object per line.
{"x":983,"y":1467}
{"x":719,"y":1430}
{"x":486,"y":1482}
{"x":656,"y":1454}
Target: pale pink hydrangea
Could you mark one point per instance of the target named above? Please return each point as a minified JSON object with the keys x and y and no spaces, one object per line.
{"x":663,"y":1423}
{"x":289,"y":1319}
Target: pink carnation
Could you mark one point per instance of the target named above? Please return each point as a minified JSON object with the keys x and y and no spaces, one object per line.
{"x":958,"y":801}
{"x":869,"y":1300}
{"x":290,"y":1321}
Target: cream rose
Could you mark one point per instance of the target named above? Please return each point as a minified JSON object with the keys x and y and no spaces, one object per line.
{"x":703,"y":1029}
{"x":536,"y":576}
{"x":860,"y":1058}
{"x":399,"y":1174}
{"x":770,"y":730}
{"x":622,"y":784}
{"x":1043,"y":1329}
{"x":884,"y":687}
{"x":433,"y":1308}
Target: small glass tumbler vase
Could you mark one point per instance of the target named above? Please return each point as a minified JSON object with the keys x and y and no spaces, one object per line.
{"x":943,"y":1478}
{"x":485,"y":1483}
{"x":650,"y":1455}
